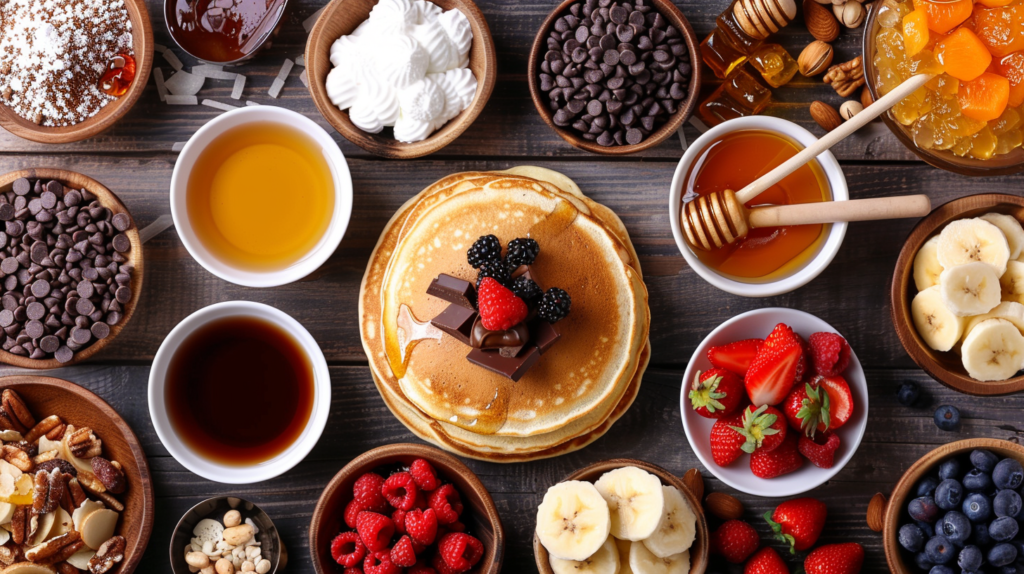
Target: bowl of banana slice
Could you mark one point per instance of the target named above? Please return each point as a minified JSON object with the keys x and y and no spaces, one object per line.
{"x":958,"y":294}
{"x":620,"y":515}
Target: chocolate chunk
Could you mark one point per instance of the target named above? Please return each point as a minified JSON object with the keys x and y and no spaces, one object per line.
{"x":455,"y":320}
{"x":448,"y":288}
{"x":63,"y":354}
{"x":49,"y":344}
{"x":100,"y":330}
{"x":511,"y":367}
{"x":121,"y":222}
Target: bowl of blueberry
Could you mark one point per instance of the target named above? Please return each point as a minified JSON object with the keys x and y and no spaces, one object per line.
{"x":959,"y":509}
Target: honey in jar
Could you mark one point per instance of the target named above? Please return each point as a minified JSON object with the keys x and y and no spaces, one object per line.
{"x":732,"y":162}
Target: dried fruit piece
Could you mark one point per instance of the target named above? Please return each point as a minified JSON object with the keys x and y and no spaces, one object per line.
{"x":984,"y":98}
{"x":111,"y":476}
{"x":944,"y":16}
{"x":963,"y":55}
{"x":915,"y":32}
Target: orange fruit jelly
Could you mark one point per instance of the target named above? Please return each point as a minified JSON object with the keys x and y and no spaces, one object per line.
{"x":732,"y":162}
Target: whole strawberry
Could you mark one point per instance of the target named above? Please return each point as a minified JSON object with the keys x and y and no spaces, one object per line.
{"x":830,"y":353}
{"x":716,"y":393}
{"x":764,"y":429}
{"x":500,"y":309}
{"x":783,"y":460}
{"x":821,"y":451}
{"x":727,"y":440}
{"x":798,"y":522}
{"x":808,"y":409}
{"x":765,"y":561}
{"x":735,"y":540}
{"x":845,"y":558}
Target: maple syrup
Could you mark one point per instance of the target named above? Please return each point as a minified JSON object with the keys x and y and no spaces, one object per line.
{"x":732,"y":162}
{"x":239,"y":391}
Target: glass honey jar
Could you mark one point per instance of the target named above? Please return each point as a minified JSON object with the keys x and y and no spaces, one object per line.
{"x":741,"y":30}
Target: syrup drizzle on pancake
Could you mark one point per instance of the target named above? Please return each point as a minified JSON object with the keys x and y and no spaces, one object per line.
{"x":410,"y":332}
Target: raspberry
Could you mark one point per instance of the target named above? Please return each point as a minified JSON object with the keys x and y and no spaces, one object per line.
{"x":446,"y":503}
{"x":456,"y":527}
{"x":830,"y":353}
{"x":347,"y":549}
{"x":421,"y":568}
{"x":424,"y":475}
{"x":375,"y":529}
{"x":499,"y":307}
{"x":521,"y":251}
{"x":820,"y":451}
{"x":486,"y":248}
{"x":418,"y":548}
{"x":400,"y":490}
{"x":352,"y":511}
{"x":380,"y":563}
{"x":421,"y":501}
{"x":367,"y":491}
{"x":353,"y":570}
{"x":398,"y":517}
{"x":421,"y":525}
{"x":442,"y":567}
{"x":460,"y":551}
{"x":402,"y":553}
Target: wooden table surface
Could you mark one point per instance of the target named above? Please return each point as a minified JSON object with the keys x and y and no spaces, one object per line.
{"x":135,"y":160}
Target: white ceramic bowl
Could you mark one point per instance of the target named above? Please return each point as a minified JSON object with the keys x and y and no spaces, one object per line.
{"x":204,"y":467}
{"x":817,"y":264}
{"x":342,"y":196}
{"x":757,"y":324}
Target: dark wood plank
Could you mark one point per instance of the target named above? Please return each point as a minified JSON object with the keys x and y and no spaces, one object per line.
{"x":509,"y":126}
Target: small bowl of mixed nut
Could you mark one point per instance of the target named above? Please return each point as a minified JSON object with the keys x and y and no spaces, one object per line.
{"x":224,"y":535}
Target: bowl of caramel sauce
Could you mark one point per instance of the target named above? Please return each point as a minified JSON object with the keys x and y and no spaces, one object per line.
{"x":224,"y":31}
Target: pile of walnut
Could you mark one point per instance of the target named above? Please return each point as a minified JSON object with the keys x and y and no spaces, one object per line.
{"x":58,"y":512}
{"x":226,"y":548}
{"x":845,"y":78}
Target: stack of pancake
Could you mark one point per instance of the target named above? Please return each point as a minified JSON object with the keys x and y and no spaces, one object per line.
{"x":578,"y":388}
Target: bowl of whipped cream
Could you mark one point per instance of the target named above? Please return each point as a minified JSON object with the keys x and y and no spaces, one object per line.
{"x":401,"y":78}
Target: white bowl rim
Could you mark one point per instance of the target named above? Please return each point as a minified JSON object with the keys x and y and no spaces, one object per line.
{"x":814,"y":267}
{"x":769,"y":488}
{"x":230,"y":474}
{"x":319,"y":254}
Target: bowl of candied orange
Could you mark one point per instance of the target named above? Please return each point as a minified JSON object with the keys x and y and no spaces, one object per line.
{"x":969,"y":118}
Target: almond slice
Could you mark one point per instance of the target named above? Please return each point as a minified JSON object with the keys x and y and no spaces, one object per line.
{"x":62,"y":524}
{"x":81,"y":558}
{"x":87,"y":508}
{"x":46,"y":522}
{"x":98,"y":527}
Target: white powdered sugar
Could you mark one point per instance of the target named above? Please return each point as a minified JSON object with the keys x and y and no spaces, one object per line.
{"x":53,"y":54}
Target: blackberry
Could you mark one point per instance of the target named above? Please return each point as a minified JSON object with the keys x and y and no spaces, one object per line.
{"x":521,"y":251}
{"x":554,"y":306}
{"x":485,"y":249}
{"x":494,"y":268}
{"x":526,"y":289}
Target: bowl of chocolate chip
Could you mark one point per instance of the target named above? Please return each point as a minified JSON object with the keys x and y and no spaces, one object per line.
{"x":70,"y":267}
{"x":615,"y":77}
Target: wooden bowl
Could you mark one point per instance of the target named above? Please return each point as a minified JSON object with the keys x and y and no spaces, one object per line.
{"x":540,"y":99}
{"x":947,"y":368}
{"x":142,"y":45}
{"x":480,"y":515}
{"x":215,"y":508}
{"x":340,"y":18}
{"x":48,"y":396}
{"x":111,"y":202}
{"x":895,"y":510}
{"x":699,"y":550}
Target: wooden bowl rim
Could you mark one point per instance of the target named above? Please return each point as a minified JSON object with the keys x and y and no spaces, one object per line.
{"x":462,"y":473}
{"x":318,"y":45}
{"x":676,"y":17}
{"x":109,"y":200}
{"x":698,"y":563}
{"x":899,"y":295}
{"x":146,"y":486}
{"x":891,"y":522}
{"x":142,"y":45}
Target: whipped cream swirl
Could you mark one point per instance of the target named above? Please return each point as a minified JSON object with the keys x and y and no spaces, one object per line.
{"x":406,"y":67}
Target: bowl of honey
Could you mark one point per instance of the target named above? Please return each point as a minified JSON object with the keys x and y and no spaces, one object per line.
{"x":768,"y":261}
{"x":261,"y":196}
{"x":224,"y":31}
{"x":239,"y":392}
{"x":969,"y":119}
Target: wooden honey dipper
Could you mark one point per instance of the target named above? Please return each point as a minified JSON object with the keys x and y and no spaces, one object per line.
{"x":718,"y":219}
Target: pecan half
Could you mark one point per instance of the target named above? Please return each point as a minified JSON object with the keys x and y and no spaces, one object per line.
{"x":109,"y":554}
{"x":78,"y":496}
{"x":67,"y":502}
{"x":56,"y":549}
{"x":847,"y":77}
{"x":110,"y":475}
{"x":10,"y":422}
{"x":30,"y":448}
{"x":19,"y":525}
{"x":108,"y":499}
{"x":49,"y":488}
{"x":43,"y":427}
{"x":84,"y":444}
{"x":8,"y":555}
{"x":47,"y":456}
{"x":18,"y":458}
{"x":57,"y":433}
{"x":65,"y":568}
{"x":16,"y":407}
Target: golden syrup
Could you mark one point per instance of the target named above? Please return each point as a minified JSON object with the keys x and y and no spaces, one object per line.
{"x":732,"y":162}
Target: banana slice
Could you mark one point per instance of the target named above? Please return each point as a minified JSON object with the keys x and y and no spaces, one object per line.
{"x":573,"y":520}
{"x":970,"y":289}
{"x":993,"y":350}
{"x":1009,"y":310}
{"x":623,"y":546}
{"x":635,"y":499}
{"x":1011,"y":228}
{"x":642,"y":561}
{"x":678,"y":526}
{"x":604,"y":561}
{"x":1012,"y":282}
{"x":970,"y":240}
{"x":926,"y":264}
{"x":936,"y":324}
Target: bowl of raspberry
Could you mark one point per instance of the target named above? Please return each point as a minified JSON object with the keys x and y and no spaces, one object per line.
{"x":406,"y":508}
{"x":774,"y":402}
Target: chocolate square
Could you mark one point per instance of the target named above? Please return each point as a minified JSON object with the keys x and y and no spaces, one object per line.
{"x":457,"y":321}
{"x":513,"y":368}
{"x":453,"y":290}
{"x":545,"y":335}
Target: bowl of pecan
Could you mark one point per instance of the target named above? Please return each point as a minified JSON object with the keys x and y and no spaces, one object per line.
{"x":75,"y":493}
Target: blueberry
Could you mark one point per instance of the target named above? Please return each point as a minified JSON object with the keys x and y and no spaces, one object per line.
{"x":908,"y":394}
{"x":977,"y":480}
{"x":926,"y":528}
{"x":1006,"y":503}
{"x":977,"y":507}
{"x":949,"y":469}
{"x":927,"y":486}
{"x":1019,"y":545}
{"x":1003,"y":528}
{"x":1008,"y":473}
{"x":947,"y":418}
{"x":1011,"y":569}
{"x":911,"y":537}
{"x":1001,"y":554}
{"x":980,"y":535}
{"x":922,"y":561}
{"x":956,"y":527}
{"x":939,"y":550}
{"x":941,"y":570}
{"x":923,"y":509}
{"x":948,"y":494}
{"x":970,"y":558}
{"x":983,"y":459}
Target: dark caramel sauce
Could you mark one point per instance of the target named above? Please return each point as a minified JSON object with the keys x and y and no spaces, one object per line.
{"x":221,"y":30}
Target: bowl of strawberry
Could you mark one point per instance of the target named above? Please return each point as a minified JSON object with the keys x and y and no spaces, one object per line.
{"x":774,"y":402}
{"x":406,"y":509}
